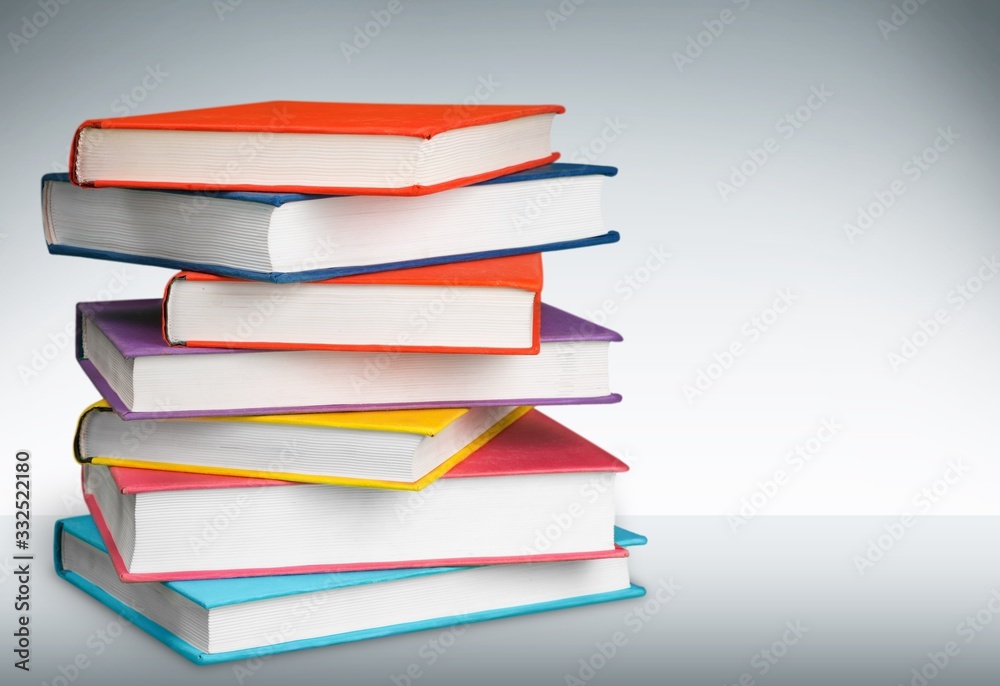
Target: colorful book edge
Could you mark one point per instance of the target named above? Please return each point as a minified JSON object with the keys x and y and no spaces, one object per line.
{"x":329,"y":273}
{"x":548,"y":171}
{"x":353,"y":482}
{"x":196,"y":656}
{"x":130,"y":577}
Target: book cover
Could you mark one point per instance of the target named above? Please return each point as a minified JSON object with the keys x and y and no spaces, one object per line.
{"x":545,"y":172}
{"x":553,"y":170}
{"x":134,"y":328}
{"x":534,"y":444}
{"x":337,"y":118}
{"x":214,"y":593}
{"x":521,"y":272}
{"x":424,"y":422}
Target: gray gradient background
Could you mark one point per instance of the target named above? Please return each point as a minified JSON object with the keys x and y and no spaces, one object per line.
{"x":826,"y":357}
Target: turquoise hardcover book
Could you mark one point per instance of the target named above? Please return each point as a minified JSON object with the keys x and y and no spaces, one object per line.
{"x":218,"y":620}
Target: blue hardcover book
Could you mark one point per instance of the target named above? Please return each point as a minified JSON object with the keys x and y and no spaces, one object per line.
{"x":289,"y":237}
{"x":233,"y":619}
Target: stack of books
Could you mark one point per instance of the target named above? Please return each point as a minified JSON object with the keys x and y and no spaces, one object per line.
{"x":325,"y":429}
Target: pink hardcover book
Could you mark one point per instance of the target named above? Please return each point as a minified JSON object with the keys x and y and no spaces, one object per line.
{"x":537,"y":492}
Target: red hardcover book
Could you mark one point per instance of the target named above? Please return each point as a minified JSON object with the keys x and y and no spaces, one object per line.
{"x":314,"y":147}
{"x":483,"y":307}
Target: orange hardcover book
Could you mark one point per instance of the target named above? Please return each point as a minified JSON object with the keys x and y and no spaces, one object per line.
{"x":488,"y":306}
{"x":314,"y":147}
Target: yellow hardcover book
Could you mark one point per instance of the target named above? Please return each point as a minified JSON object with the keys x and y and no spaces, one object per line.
{"x":373,"y":449}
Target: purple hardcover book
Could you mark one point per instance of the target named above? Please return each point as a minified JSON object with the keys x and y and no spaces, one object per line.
{"x":121,"y":348}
